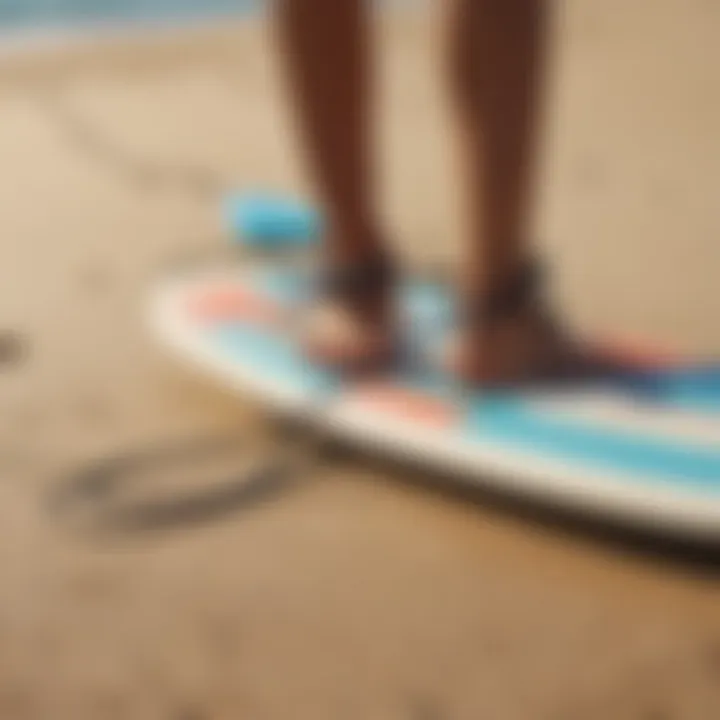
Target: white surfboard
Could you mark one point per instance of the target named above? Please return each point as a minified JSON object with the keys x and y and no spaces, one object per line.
{"x":642,"y":448}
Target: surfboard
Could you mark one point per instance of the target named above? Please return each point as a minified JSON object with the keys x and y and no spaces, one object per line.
{"x":641,"y":447}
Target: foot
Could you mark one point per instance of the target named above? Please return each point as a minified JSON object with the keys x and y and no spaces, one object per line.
{"x":519,"y":351}
{"x":352,"y":328}
{"x":511,"y":339}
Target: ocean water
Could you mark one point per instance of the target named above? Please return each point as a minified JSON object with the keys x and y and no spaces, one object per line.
{"x":47,"y":14}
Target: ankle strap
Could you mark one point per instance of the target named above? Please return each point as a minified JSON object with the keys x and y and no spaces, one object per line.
{"x":357,"y":280}
{"x":517,"y":294}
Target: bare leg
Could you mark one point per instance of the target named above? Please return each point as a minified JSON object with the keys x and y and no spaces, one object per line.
{"x":328,"y":65}
{"x":496,"y":59}
{"x":327,"y":58}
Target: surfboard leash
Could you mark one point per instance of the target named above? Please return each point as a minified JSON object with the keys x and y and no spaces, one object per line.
{"x":90,"y":499}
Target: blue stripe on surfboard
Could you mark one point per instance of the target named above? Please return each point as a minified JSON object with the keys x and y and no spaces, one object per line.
{"x":514,"y":424}
{"x":508,"y":422}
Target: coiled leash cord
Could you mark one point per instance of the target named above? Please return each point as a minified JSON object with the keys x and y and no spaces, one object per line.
{"x":90,"y":498}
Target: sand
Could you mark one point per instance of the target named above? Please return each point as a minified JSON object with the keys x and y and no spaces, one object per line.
{"x":355,"y":594}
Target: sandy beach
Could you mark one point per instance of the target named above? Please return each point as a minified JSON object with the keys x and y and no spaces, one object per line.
{"x":357,"y":594}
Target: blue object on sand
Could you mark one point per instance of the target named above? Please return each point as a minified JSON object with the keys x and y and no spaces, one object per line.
{"x":263,"y":221}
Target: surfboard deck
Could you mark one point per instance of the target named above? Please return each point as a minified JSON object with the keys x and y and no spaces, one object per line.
{"x":642,"y":447}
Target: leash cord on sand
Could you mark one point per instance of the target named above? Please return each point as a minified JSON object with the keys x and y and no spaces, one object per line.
{"x":87,"y":498}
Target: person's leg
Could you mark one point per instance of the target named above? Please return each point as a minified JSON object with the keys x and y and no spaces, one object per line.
{"x":328,"y":64}
{"x":497,"y":52}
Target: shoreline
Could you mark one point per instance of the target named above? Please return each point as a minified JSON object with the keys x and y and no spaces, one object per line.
{"x":17,"y":42}
{"x":41,"y":54}
{"x":23,"y":39}
{"x":41,"y":57}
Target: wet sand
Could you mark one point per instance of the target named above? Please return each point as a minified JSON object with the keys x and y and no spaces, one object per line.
{"x":354,"y":595}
